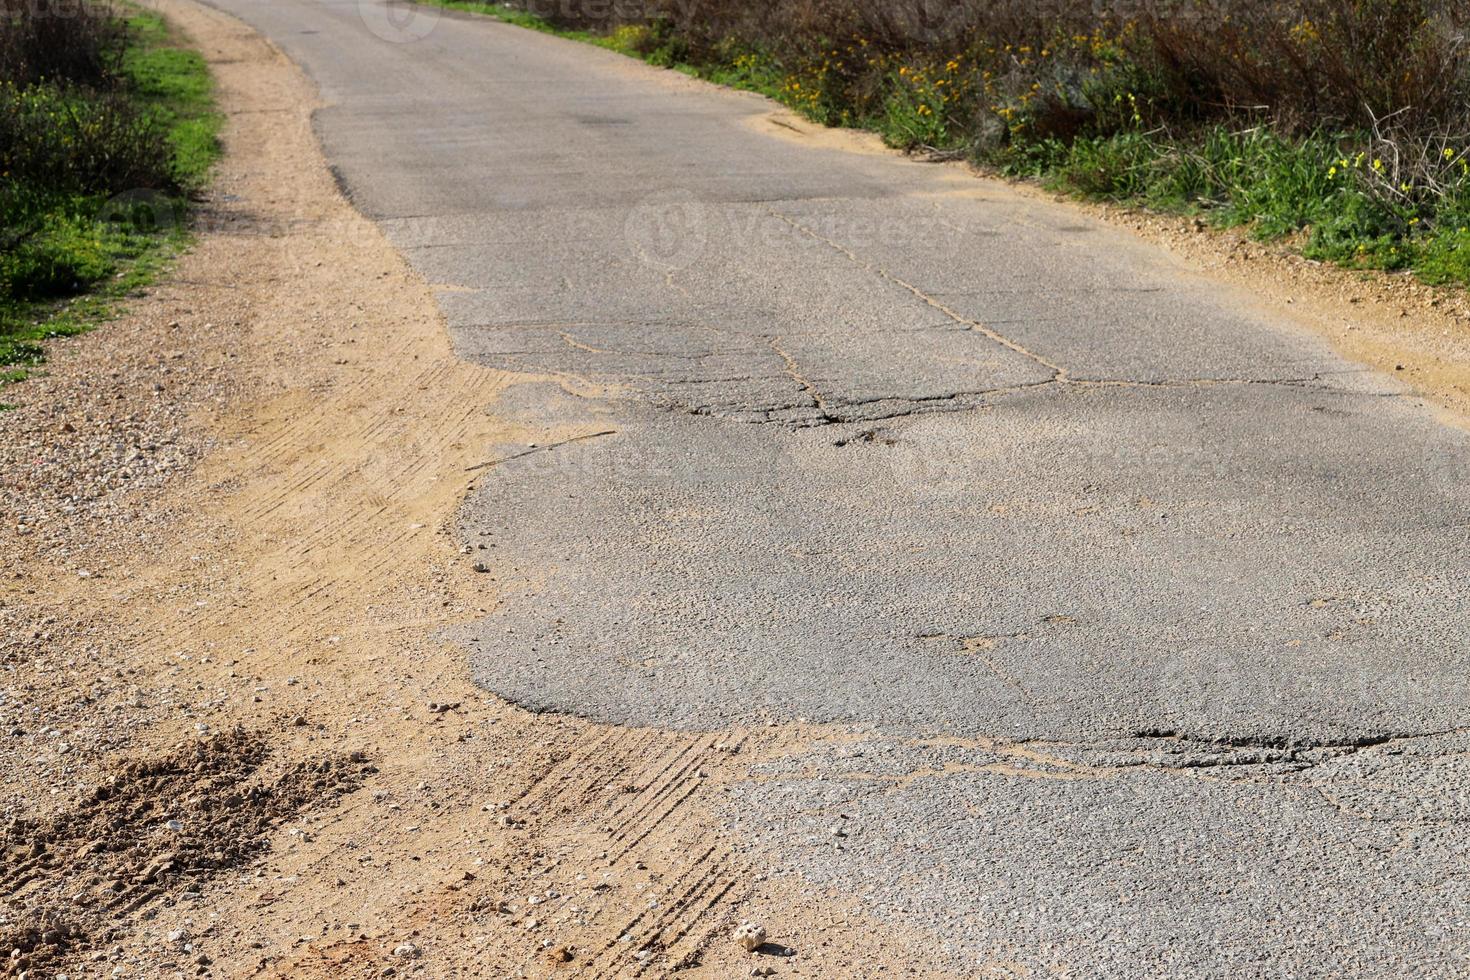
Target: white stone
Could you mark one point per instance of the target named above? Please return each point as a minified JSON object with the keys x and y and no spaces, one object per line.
{"x":750,"y":935}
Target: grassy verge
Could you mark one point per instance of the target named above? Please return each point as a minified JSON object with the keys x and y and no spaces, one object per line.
{"x":622,"y":40}
{"x":1186,"y":117}
{"x":82,"y":232}
{"x":173,"y":84}
{"x":1322,"y":193}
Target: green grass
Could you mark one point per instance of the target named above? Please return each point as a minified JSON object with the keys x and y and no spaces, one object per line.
{"x":520,"y":18}
{"x":1293,"y":189}
{"x":1312,"y":191}
{"x":91,"y":251}
{"x":627,"y":40}
{"x":174,"y":83}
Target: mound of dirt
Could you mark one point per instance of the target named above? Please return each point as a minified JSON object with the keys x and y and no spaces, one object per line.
{"x":155,"y":830}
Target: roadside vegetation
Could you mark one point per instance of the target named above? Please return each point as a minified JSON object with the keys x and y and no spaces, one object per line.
{"x":106,"y":127}
{"x":1340,"y":125}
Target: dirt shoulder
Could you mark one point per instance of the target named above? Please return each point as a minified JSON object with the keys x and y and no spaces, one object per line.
{"x":233,"y":744}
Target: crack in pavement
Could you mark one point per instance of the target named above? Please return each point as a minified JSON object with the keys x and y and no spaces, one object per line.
{"x":539,"y":449}
{"x":1058,"y":372}
{"x":1297,"y":744}
{"x":831,"y":412}
{"x":793,"y":372}
{"x":891,"y":364}
{"x":1039,"y":758}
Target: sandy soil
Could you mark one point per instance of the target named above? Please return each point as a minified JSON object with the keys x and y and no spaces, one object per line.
{"x":230,"y":742}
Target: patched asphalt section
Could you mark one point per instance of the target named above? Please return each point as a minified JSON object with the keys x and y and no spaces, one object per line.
{"x":865,"y":441}
{"x":1061,"y":563}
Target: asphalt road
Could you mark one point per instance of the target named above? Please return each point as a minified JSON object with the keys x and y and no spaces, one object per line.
{"x":876,"y":443}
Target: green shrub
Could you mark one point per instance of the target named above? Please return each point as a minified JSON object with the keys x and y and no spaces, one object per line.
{"x":61,"y":258}
{"x":72,"y":141}
{"x":69,"y":42}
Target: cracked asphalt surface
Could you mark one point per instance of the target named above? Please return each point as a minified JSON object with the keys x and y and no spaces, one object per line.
{"x":1148,"y":609}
